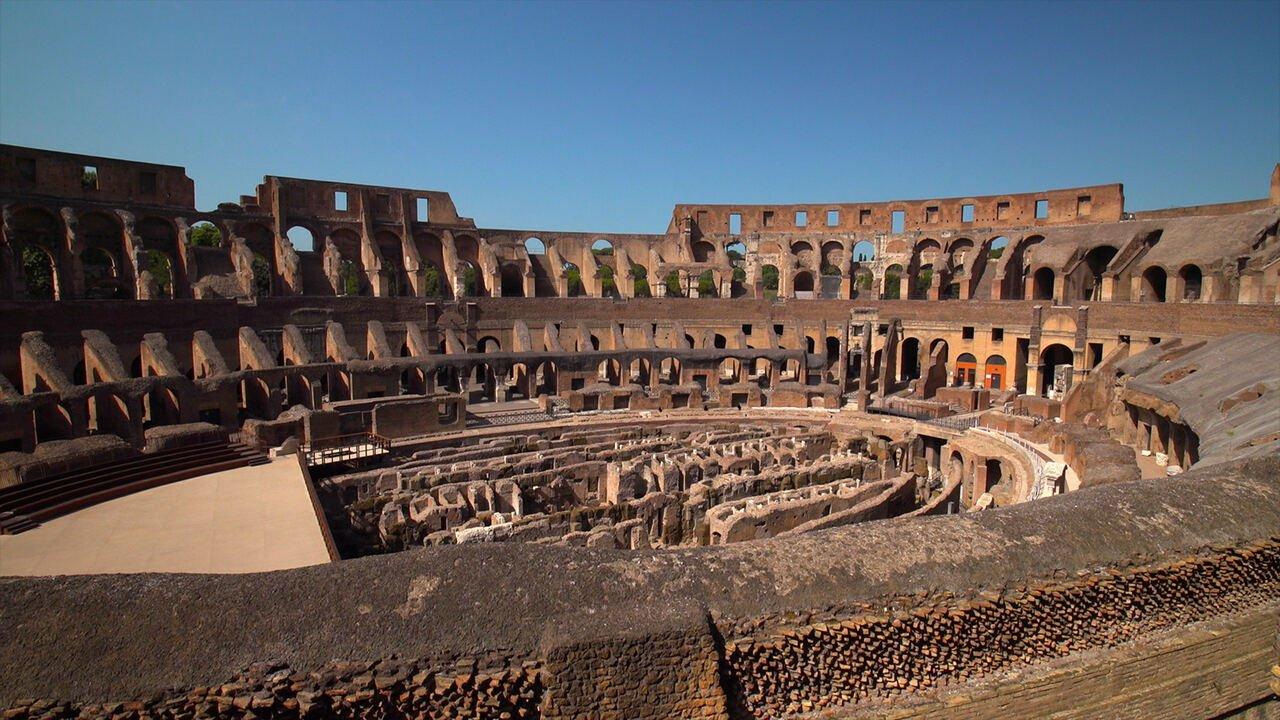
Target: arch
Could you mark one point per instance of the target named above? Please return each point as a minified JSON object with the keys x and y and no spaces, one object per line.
{"x":921,"y":281}
{"x":1154,"y":279}
{"x":392,"y":252}
{"x":573,"y":280}
{"x":1042,"y":284}
{"x":535,"y":246}
{"x":302,"y":239}
{"x":160,"y":265}
{"x":1095,"y":263}
{"x":910,"y":360}
{"x":1018,"y":266}
{"x":431,"y":254}
{"x":864,"y":251}
{"x":736,"y":250}
{"x":469,"y":274}
{"x":939,"y":349}
{"x":512,"y":280}
{"x":769,"y":281}
{"x":1192,"y":280}
{"x":707,"y":285}
{"x":893,"y":282}
{"x":863,"y":281}
{"x":1050,"y":358}
{"x":39,"y":274}
{"x":640,"y":281}
{"x":802,"y":283}
{"x":996,"y":247}
{"x":101,"y":278}
{"x":489,"y":344}
{"x":602,"y":247}
{"x":994,"y":370}
{"x":966,"y":369}
{"x":704,"y":251}
{"x":468,"y":251}
{"x":833,"y":258}
{"x":203,"y":233}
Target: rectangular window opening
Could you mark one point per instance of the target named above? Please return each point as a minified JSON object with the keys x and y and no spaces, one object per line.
{"x":766,"y":218}
{"x":1002,"y":211}
{"x":802,"y":218}
{"x":340,"y":201}
{"x":931,"y":214}
{"x":833,"y":218}
{"x":735,"y":223}
{"x":423,"y":209}
{"x":997,"y":334}
{"x":966,"y":332}
{"x":966,"y":213}
{"x":149,"y":183}
{"x":383,"y":204}
{"x":1042,"y":209}
{"x":27,"y":169}
{"x":899,"y":221}
{"x":864,"y":217}
{"x":1084,"y":205}
{"x":89,"y":177}
{"x":1095,"y":355}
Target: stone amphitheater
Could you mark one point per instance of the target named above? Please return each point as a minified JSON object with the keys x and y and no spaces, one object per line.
{"x":335,"y":450}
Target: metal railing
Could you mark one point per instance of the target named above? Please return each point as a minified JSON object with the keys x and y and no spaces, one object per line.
{"x":1040,"y":486}
{"x":345,"y":448}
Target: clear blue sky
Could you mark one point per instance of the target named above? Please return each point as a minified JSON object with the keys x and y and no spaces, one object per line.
{"x":600,"y":117}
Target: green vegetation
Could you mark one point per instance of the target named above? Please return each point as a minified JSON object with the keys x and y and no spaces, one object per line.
{"x":204,"y":234}
{"x":431,"y":280}
{"x":349,"y":279}
{"x":607,"y":286}
{"x":261,"y":276}
{"x":673,"y":285}
{"x":161,"y":271}
{"x":470,"y":277}
{"x":769,"y":276}
{"x":830,"y":270}
{"x":574,"y":278}
{"x":641,"y":281}
{"x":864,"y":281}
{"x":707,"y":285}
{"x":892,"y":284}
{"x":37,"y":269}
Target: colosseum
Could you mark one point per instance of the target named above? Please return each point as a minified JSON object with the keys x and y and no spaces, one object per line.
{"x":337,"y":450}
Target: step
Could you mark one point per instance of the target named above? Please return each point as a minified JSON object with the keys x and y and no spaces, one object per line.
{"x":138,"y":461}
{"x":105,"y":471}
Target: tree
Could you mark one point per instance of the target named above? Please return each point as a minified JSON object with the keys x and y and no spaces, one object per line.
{"x":641,"y":277}
{"x":204,"y":234}
{"x":573,"y":280}
{"x":892,"y":284}
{"x":37,"y":270}
{"x":161,"y":271}
{"x":350,"y":280}
{"x":469,"y":276}
{"x":769,"y":276}
{"x":261,"y":276}
{"x":707,"y":285}
{"x":431,"y":280}
{"x":672,"y":281}
{"x":608,"y":287}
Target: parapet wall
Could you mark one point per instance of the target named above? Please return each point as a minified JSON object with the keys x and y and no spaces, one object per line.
{"x":849,"y":617}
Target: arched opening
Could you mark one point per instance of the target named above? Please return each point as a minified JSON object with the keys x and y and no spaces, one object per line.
{"x":261,"y":267}
{"x":769,"y":281}
{"x":512,"y":280}
{"x":995,"y":372}
{"x":1042,"y":284}
{"x":921,"y":283}
{"x":707,"y":285}
{"x":675,"y":288}
{"x":1018,"y":267}
{"x":803,"y":284}
{"x":573,"y":280}
{"x":1051,"y":358}
{"x":1153,"y":284}
{"x":301,"y":239}
{"x":489,"y":344}
{"x":470,"y":276}
{"x":535,"y":246}
{"x":348,"y":278}
{"x":161,"y":268}
{"x":893,"y":282}
{"x":1095,"y":263}
{"x":431,"y":254}
{"x":864,"y":251}
{"x":104,"y":277}
{"x":602,"y":247}
{"x":737,"y":254}
{"x":966,"y":370}
{"x":392,"y":252}
{"x":704,"y":251}
{"x":640,"y":281}
{"x":38,"y":273}
{"x":910,"y":363}
{"x":468,"y":249}
{"x":938,"y":349}
{"x":1192,"y":279}
{"x":608,"y":286}
{"x":101,"y":281}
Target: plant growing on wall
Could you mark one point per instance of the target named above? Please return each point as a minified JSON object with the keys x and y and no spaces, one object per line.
{"x":707,"y":285}
{"x":37,"y":270}
{"x":204,"y":234}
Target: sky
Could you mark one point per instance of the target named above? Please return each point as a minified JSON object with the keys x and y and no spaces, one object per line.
{"x":602,"y":116}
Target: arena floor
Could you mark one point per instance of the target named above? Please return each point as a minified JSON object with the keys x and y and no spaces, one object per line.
{"x":249,"y":519}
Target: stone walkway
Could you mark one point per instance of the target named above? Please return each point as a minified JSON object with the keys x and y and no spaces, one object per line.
{"x":249,"y":519}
